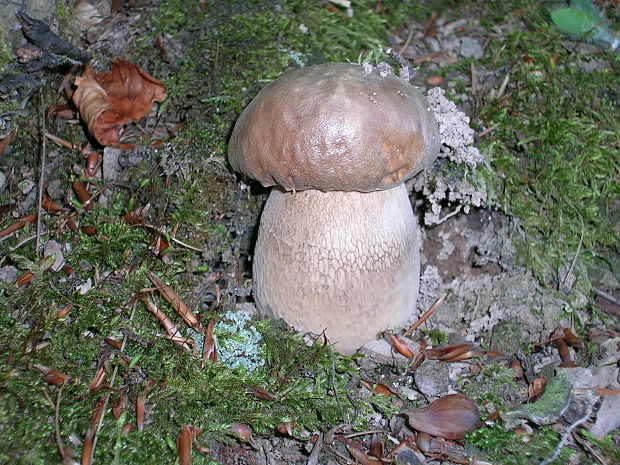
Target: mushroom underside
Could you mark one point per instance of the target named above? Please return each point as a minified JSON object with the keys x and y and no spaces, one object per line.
{"x":346,"y":263}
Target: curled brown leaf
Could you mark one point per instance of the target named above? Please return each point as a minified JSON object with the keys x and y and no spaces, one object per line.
{"x":400,"y":346}
{"x":108,"y":101}
{"x":449,"y":417}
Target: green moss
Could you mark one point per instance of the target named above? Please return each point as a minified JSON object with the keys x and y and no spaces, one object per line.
{"x":63,"y":14}
{"x":555,"y":146}
{"x":436,"y":336}
{"x":508,"y":448}
{"x":5,"y":54}
{"x":495,"y":383}
{"x":309,"y":384}
{"x":546,"y":408}
{"x":606,"y":444}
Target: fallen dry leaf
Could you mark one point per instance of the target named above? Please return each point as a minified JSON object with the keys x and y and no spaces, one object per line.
{"x":140,"y":403}
{"x":450,"y":353}
{"x":184,"y":444}
{"x":17,"y":225}
{"x":209,"y":349}
{"x":108,"y":101}
{"x":378,"y":388}
{"x":82,"y":194}
{"x":89,"y":439}
{"x":52,"y":376}
{"x":4,"y":143}
{"x":400,"y":346}
{"x":177,"y":303}
{"x":536,"y":388}
{"x":449,"y":417}
{"x":119,"y":406}
{"x":362,"y":457}
{"x":286,"y":428}
{"x":97,"y":381}
{"x":376,"y":446}
{"x":259,"y":392}
{"x":242,"y":430}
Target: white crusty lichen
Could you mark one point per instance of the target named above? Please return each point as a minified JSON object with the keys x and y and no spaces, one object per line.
{"x":239,"y":344}
{"x":457,"y":137}
{"x":449,"y":183}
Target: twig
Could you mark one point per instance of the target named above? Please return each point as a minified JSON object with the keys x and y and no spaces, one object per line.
{"x":488,"y":130}
{"x":314,"y":455}
{"x":474,"y":79}
{"x":364,"y":433}
{"x":61,"y":142}
{"x":403,"y":47}
{"x":338,"y":454}
{"x":572,"y":265}
{"x":450,"y":215}
{"x":112,"y":379}
{"x":502,"y":87}
{"x":606,"y":296}
{"x":426,"y":315}
{"x":589,"y":449}
{"x":565,"y":437}
{"x":41,"y":174}
{"x":183,"y":244}
{"x":59,"y":444}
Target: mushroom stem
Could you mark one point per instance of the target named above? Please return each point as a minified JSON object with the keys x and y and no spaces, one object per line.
{"x":344,"y":262}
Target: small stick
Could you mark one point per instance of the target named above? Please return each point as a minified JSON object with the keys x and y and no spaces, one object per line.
{"x":314,"y":455}
{"x":488,"y":130}
{"x":450,"y":215}
{"x":112,"y":380}
{"x":173,"y":239}
{"x":426,"y":315}
{"x":59,"y":444}
{"x":577,"y":253}
{"x":565,"y":436}
{"x":606,"y":296}
{"x":61,"y":142}
{"x":588,"y":448}
{"x":403,"y":47}
{"x":364,"y":433}
{"x":474,"y":79}
{"x":502,"y":87}
{"x":41,"y":175}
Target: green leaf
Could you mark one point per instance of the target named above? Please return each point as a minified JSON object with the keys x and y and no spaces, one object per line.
{"x":573,"y":21}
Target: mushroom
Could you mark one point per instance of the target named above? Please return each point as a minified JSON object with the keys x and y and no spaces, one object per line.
{"x":338,"y":243}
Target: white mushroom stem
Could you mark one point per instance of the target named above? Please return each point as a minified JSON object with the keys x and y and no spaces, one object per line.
{"x":344,"y":262}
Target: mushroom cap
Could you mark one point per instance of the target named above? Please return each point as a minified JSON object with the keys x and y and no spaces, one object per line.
{"x":334,"y":128}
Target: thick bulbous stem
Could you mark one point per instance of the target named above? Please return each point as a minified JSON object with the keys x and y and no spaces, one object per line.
{"x":346,"y":263}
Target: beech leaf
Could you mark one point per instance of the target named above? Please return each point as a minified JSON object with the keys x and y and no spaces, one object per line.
{"x":108,"y":101}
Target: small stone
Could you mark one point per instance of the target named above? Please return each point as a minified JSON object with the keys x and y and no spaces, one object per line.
{"x":55,"y":190}
{"x":433,"y":44}
{"x":471,"y":48}
{"x":53,"y":248}
{"x":381,"y":352}
{"x":26,"y":186}
{"x":407,"y":457}
{"x":608,"y":417}
{"x":8,"y":274}
{"x":433,"y":380}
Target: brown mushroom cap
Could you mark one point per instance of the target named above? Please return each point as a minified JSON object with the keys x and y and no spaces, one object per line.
{"x":330,"y":127}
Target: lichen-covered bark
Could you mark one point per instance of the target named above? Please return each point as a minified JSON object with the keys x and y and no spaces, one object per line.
{"x":344,"y":262}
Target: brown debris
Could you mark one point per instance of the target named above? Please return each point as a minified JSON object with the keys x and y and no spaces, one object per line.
{"x":108,"y":101}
